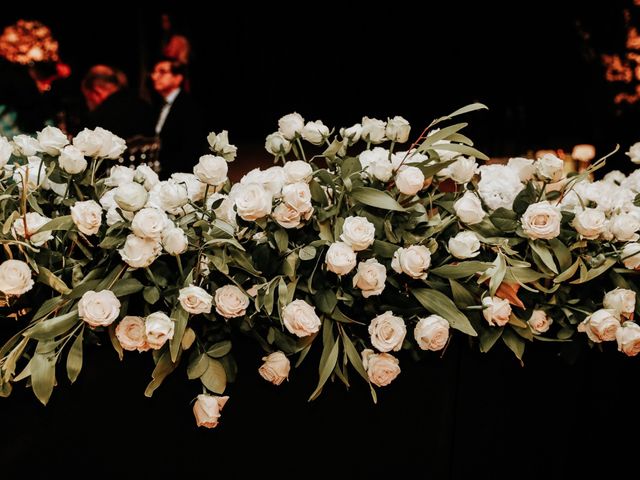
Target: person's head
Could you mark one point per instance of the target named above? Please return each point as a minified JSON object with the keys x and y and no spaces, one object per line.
{"x":167,"y":76}
{"x":100,"y":82}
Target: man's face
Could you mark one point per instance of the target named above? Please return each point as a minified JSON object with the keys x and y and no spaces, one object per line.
{"x":164,"y":81}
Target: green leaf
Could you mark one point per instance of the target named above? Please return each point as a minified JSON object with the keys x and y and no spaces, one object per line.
{"x":151,"y":295}
{"x":61,"y":223}
{"x":326,"y":368}
{"x":197,"y":366}
{"x":504,"y":219}
{"x":562,"y":253}
{"x":326,"y":300}
{"x":115,"y":342}
{"x":594,"y":272}
{"x":569,"y":272}
{"x":338,"y":316}
{"x":526,"y":197}
{"x":462,"y":269}
{"x":349,"y":166}
{"x":49,"y":329}
{"x":307,"y":253}
{"x":463,"y":149}
{"x":83,"y":288}
{"x":110,"y":243}
{"x":545,"y":255}
{"x":126,"y":286}
{"x":461,"y":296}
{"x":219,"y":349}
{"x":375,"y":198}
{"x":317,"y":193}
{"x":215,"y":378}
{"x":497,"y":274}
{"x":43,"y":376}
{"x":461,"y":111}
{"x":488,"y":338}
{"x":47,"y":277}
{"x":430,"y":169}
{"x":163,"y":368}
{"x":6,"y":226}
{"x":522,"y":275}
{"x":332,"y":150}
{"x":514,"y":342}
{"x":282,"y":239}
{"x":442,"y":134}
{"x":74,"y":359}
{"x":438,"y":303}
{"x":46,"y":308}
{"x":384,"y":249}
{"x":179,"y":317}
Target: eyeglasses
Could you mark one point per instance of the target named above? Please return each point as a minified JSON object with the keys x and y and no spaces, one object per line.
{"x":160,"y":72}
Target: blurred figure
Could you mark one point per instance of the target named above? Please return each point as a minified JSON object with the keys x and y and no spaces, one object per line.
{"x":176,"y":46}
{"x":178,"y":120}
{"x":112,"y":106}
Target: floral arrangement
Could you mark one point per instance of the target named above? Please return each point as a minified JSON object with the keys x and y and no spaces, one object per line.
{"x":353,"y":247}
{"x":28,"y":41}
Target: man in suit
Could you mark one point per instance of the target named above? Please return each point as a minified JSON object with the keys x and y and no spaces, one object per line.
{"x":182,"y":138}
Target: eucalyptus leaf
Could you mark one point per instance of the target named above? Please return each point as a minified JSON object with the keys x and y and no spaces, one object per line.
{"x":594,"y":272}
{"x":326,"y":368}
{"x":488,"y":337}
{"x":197,"y":366}
{"x":545,"y":255}
{"x":375,"y":198}
{"x":307,"y":253}
{"x":325,"y":300}
{"x":151,"y":295}
{"x":282,"y":239}
{"x":163,"y":368}
{"x":514,"y":342}
{"x":438,"y":303}
{"x":126,"y":286}
{"x":180,"y":318}
{"x":215,"y":377}
{"x":384,"y":249}
{"x":60,"y":223}
{"x":219,"y":349}
{"x":74,"y":358}
{"x":43,"y":376}
{"x":49,"y":329}
{"x":47,"y":277}
{"x":461,"y":269}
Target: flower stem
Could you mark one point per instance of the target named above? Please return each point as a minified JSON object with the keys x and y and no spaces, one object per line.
{"x":301,"y":149}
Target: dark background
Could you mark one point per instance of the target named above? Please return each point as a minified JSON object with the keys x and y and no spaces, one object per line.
{"x":465,"y":415}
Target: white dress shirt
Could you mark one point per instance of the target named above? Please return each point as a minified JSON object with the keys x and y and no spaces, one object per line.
{"x":168,"y":102}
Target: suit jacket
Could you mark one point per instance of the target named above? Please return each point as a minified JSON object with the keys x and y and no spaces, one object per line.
{"x":182,"y":137}
{"x":124,"y":114}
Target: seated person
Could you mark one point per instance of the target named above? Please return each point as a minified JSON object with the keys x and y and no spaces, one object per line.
{"x":113,"y":106}
{"x":182,"y":137}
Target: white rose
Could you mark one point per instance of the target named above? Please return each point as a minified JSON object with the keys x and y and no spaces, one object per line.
{"x":231,"y":302}
{"x":88,"y":142}
{"x":220,"y":144}
{"x":539,"y":322}
{"x":34,"y":222}
{"x":340,"y":258}
{"x":99,"y":309}
{"x":298,"y":196}
{"x":211,"y":170}
{"x":468,"y":208}
{"x":409,"y":180}
{"x":276,"y":144}
{"x":496,"y":311}
{"x":15,"y":277}
{"x":275,"y":368}
{"x":286,"y":216}
{"x":139,"y":252}
{"x":159,"y":328}
{"x":131,"y":197}
{"x":297,"y":171}
{"x":195,"y":188}
{"x":195,"y":300}
{"x":387,"y":332}
{"x":114,"y":216}
{"x":541,"y":220}
{"x":462,"y":170}
{"x":601,"y":325}
{"x":111,"y":146}
{"x":380,"y":168}
{"x":26,"y":146}
{"x":6,"y":150}
{"x":225,"y":211}
{"x":253,"y":202}
{"x":628,"y":338}
{"x":72,"y":160}
{"x":624,"y":227}
{"x":382,"y":368}
{"x":52,"y":140}
{"x":432,"y":333}
{"x":291,"y":125}
{"x":371,"y":277}
{"x":131,"y":334}
{"x":550,"y":168}
{"x":622,"y":300}
{"x":273,"y":180}
{"x":634,"y":152}
{"x":397,"y":129}
{"x":300,"y":318}
{"x":175,"y":241}
{"x":414,"y":261}
{"x":358,"y":232}
{"x":376,"y":154}
{"x":630,"y":256}
{"x":498,"y":186}
{"x":464,"y":245}
{"x":590,"y":223}
{"x":34,"y":174}
{"x":351,"y":134}
{"x":150,"y":223}
{"x":207,"y":410}
{"x":614,"y":176}
{"x":120,"y":175}
{"x":373,"y":130}
{"x":145,"y":175}
{"x":315,"y":132}
{"x":523,"y":167}
{"x":169,"y":196}
{"x":87,"y":216}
